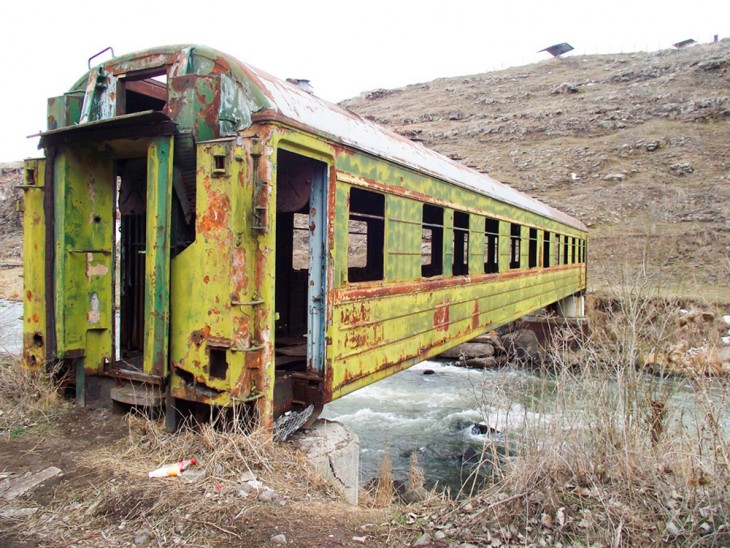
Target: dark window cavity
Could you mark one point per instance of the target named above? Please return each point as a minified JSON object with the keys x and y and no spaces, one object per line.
{"x":461,"y":244}
{"x":432,"y":241}
{"x":514,"y":253}
{"x":546,"y":249}
{"x":491,"y":246}
{"x":532,"y":249}
{"x":366,"y":227}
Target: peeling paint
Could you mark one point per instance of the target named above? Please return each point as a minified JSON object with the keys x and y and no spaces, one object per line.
{"x":94,"y":314}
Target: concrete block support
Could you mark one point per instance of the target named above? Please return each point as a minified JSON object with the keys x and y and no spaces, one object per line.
{"x":334,"y":452}
{"x":573,"y":306}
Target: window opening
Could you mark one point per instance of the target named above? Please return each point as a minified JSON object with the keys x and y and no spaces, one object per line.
{"x":145,"y":90}
{"x":566,"y":245}
{"x":515,"y":236}
{"x":491,"y":246}
{"x":432,"y":241}
{"x":460,"y":266}
{"x":546,"y":249}
{"x":300,"y":238}
{"x":366,"y":227}
{"x":572,"y":258}
{"x":532,"y":248}
{"x":557,"y":249}
{"x":218,"y":366}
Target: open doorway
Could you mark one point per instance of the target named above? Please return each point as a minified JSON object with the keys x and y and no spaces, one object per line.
{"x":131,"y":277}
{"x":130,"y":264}
{"x":300,"y":291}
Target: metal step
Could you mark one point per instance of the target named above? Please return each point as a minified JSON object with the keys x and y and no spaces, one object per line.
{"x":143,"y":395}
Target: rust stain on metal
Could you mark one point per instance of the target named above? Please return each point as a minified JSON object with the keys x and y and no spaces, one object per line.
{"x":215,"y":216}
{"x":197,"y":337}
{"x":441,"y":316}
{"x":355,"y":315}
{"x":242,"y":329}
{"x":238,"y":270}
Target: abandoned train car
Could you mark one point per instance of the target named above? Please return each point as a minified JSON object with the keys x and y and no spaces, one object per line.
{"x":200,"y":232}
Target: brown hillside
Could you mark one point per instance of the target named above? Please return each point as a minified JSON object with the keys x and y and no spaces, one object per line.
{"x":635,"y":145}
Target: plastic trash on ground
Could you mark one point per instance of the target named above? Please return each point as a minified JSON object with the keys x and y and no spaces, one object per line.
{"x":174,"y":469}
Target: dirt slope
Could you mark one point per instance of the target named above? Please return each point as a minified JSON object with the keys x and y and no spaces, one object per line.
{"x":635,"y":145}
{"x":11,"y":231}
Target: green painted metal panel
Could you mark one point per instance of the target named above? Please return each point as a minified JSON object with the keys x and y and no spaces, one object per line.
{"x":35,"y":337}
{"x":157,"y":255}
{"x":403,"y":239}
{"x":83,"y":234}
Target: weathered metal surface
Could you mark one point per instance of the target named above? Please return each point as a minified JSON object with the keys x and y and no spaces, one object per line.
{"x":34,"y":250}
{"x":210,"y":306}
{"x":157,"y":255}
{"x":83,"y":281}
{"x":65,"y":110}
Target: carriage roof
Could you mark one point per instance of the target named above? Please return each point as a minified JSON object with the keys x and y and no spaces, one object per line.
{"x":260,"y":96}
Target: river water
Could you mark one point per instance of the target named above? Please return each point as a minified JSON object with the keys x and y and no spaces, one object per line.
{"x":11,"y":326}
{"x":435,"y":415}
{"x":446,"y":414}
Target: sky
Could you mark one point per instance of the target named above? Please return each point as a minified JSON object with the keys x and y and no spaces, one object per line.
{"x":343,"y":47}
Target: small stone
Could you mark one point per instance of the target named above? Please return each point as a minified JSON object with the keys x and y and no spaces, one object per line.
{"x":614,"y":177}
{"x":246,"y":477}
{"x":439,"y":535}
{"x":419,"y":494}
{"x":468,"y":508}
{"x":423,"y":540}
{"x":193,"y":475}
{"x":278,"y":539}
{"x":360,"y":539}
{"x":143,"y":537}
{"x":672,"y":529}
{"x":267,"y":495}
{"x":253,"y":486}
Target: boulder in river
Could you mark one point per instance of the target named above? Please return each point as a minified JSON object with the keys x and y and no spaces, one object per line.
{"x":469,"y":350}
{"x":523,"y":344}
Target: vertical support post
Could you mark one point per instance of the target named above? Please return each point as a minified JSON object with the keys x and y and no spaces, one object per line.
{"x":78,"y":364}
{"x":572,"y":306}
{"x":170,"y":410}
{"x":157,"y":255}
{"x":316,"y":287}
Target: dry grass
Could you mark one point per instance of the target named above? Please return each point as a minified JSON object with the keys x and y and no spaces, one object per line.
{"x":26,"y":399}
{"x":384,"y":488}
{"x":615,"y":454}
{"x":111,"y":502}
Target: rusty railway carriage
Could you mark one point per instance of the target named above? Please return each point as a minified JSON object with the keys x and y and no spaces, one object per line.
{"x":264,"y":247}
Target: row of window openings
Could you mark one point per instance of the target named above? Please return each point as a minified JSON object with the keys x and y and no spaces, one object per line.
{"x":569,"y":250}
{"x":366,"y":241}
